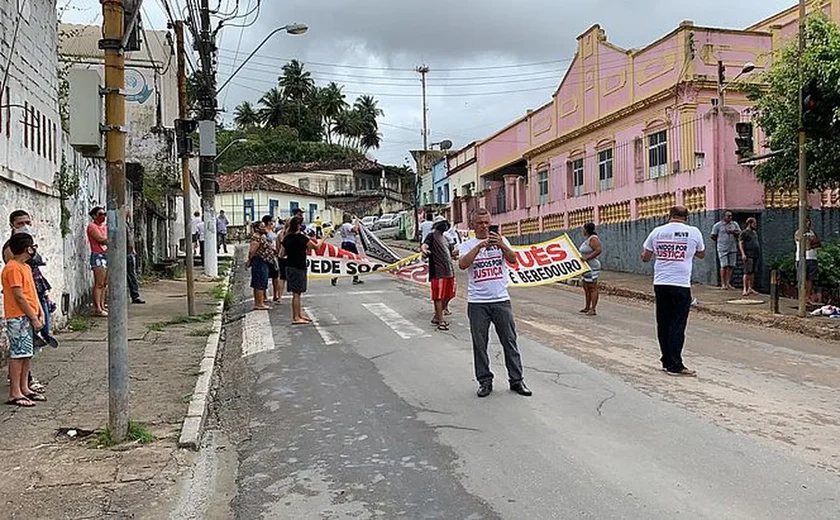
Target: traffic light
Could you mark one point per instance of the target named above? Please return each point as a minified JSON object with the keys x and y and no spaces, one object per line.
{"x":184,"y":128}
{"x":817,"y":111}
{"x":744,"y":140}
{"x":130,"y":11}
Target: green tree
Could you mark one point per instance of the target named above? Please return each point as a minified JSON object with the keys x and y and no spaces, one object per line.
{"x":331,"y":102}
{"x":296,"y":82}
{"x":246,"y":116}
{"x":272,"y":108}
{"x":777,"y":108}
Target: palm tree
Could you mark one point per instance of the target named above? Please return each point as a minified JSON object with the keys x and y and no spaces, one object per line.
{"x":367,"y":106}
{"x":370,"y":139}
{"x":273,"y":108}
{"x":246,"y":116}
{"x":295,"y":81}
{"x":332,"y":102}
{"x":350,"y":127}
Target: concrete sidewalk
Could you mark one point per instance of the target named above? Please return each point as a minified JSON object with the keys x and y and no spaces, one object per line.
{"x":711,"y":300}
{"x":48,"y":474}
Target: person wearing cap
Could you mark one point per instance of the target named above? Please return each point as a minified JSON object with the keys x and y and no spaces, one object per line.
{"x":440,"y":253}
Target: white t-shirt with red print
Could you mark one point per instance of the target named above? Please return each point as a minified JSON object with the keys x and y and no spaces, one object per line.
{"x":673,"y":246}
{"x":488,"y":275}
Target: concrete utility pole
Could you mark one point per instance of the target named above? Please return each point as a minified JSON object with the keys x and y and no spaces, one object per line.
{"x":423,"y":70}
{"x":803,"y":174}
{"x":186,"y":184}
{"x":207,"y":136}
{"x":112,"y":37}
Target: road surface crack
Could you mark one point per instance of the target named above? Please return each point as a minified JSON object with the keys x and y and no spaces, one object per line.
{"x":557,"y":375}
{"x":455,"y":427}
{"x":382,"y":355}
{"x":603,"y":402}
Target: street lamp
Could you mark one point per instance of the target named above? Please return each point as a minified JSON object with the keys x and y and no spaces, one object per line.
{"x":294,"y":29}
{"x":226,"y":148}
{"x":746,"y":69}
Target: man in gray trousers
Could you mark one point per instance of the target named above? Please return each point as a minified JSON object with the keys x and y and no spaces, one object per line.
{"x":484,"y":258}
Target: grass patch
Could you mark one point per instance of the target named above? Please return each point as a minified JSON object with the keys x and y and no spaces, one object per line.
{"x":80,"y":323}
{"x":228,"y":300}
{"x":186,"y":398}
{"x":156,"y":327}
{"x":185,"y":319}
{"x":198,"y":333}
{"x":137,"y":432}
{"x":219,"y":292}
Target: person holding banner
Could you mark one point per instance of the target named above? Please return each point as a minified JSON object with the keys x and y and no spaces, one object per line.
{"x":673,"y":247}
{"x":296,"y":245}
{"x":348,"y":231}
{"x":260,"y":254}
{"x":485,"y":259}
{"x":590,"y":250}
{"x":439,"y":251}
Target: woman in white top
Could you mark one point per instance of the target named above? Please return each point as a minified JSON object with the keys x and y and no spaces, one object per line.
{"x":590,"y":250}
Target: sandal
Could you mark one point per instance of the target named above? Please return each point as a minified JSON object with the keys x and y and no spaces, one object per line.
{"x":37,"y":387}
{"x":301,"y":322}
{"x":447,"y":312}
{"x":36,"y":397}
{"x":583,"y":311}
{"x":435,"y":321}
{"x":21,"y":402}
{"x":591,"y":313}
{"x":443,"y":326}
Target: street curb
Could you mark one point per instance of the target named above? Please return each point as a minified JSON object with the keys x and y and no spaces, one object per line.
{"x":811,"y":328}
{"x":193,"y":425}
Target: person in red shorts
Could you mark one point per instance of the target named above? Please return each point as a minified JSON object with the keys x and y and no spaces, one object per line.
{"x":440,"y":253}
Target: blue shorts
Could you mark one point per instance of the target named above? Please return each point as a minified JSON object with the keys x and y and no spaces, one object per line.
{"x":592,"y":276}
{"x":99,"y":261}
{"x":259,"y":274}
{"x":21,"y":338}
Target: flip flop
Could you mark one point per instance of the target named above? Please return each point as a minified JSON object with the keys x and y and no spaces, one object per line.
{"x":443,"y":326}
{"x":36,"y":397}
{"x":301,"y":322}
{"x":435,"y":321}
{"x":19,"y":402}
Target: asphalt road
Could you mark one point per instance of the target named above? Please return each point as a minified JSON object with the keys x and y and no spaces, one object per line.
{"x":371,"y":413}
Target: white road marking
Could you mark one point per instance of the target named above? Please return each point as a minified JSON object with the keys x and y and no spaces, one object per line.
{"x":404,"y":328}
{"x":257,"y":335}
{"x":328,"y":337}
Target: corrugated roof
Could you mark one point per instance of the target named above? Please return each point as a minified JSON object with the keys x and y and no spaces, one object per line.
{"x":252,"y":181}
{"x":356,"y":164}
{"x":82,"y":41}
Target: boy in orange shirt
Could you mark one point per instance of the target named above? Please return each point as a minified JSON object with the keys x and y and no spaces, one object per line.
{"x":23,"y":318}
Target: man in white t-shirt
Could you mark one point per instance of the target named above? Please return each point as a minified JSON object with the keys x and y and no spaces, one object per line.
{"x":426,"y":227}
{"x":485,"y":259}
{"x":348,"y":231}
{"x":674,"y":247}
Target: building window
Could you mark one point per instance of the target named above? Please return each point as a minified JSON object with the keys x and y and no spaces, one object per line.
{"x":446,"y":193}
{"x":248,"y":205}
{"x":577,"y":177}
{"x":605,"y":170}
{"x":293,"y":205}
{"x":542,"y":186}
{"x":658,"y":154}
{"x":699,"y":160}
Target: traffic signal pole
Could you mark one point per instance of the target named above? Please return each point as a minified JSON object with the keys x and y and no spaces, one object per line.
{"x":186,"y":184}
{"x":803,"y":175}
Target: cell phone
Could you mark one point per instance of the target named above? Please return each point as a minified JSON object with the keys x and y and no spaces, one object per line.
{"x":494,"y":228}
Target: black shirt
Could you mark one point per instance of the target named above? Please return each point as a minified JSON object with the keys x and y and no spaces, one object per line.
{"x":296,"y":248}
{"x":751,"y":246}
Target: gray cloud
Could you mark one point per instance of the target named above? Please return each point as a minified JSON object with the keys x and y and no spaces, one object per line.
{"x":361,"y":36}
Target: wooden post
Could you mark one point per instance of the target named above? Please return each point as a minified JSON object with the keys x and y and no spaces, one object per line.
{"x":774,"y":292}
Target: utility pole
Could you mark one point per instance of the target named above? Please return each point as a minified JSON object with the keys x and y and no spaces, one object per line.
{"x":803,"y":173}
{"x":113,"y":31}
{"x":423,"y":70}
{"x":207,"y":136}
{"x":186,"y":184}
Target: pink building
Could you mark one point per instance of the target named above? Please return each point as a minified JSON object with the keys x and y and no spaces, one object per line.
{"x":630,"y":133}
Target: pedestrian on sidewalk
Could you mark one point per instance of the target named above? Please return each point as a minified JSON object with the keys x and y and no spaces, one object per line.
{"x":725,"y":234}
{"x":297,"y":244}
{"x":23,"y":319}
{"x":131,"y":264}
{"x":273,"y":268}
{"x":97,"y":234}
{"x":222,"y":231}
{"x":21,"y":222}
{"x":202,"y":232}
{"x":349,"y":229}
{"x":590,"y":250}
{"x":750,"y":254}
{"x":260,"y":254}
{"x":196,"y":220}
{"x":485,"y":259}
{"x":812,"y":268}
{"x":427,"y":226}
{"x":673,"y":247}
{"x":439,"y":251}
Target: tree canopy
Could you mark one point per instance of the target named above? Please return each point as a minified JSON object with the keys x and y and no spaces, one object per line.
{"x":317,"y":114}
{"x":777,"y":108}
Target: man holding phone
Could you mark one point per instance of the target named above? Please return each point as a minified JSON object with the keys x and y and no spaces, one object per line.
{"x":485,"y":259}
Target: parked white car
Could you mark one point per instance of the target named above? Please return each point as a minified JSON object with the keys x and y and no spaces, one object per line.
{"x":370,"y":221}
{"x":387,"y":220}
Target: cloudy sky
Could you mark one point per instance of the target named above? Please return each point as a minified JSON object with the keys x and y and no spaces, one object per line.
{"x":489,"y":60}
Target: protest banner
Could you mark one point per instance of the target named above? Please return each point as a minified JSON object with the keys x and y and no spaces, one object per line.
{"x":553,"y":261}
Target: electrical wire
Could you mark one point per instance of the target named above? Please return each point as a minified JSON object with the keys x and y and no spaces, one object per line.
{"x":234,"y":63}
{"x":12,"y":49}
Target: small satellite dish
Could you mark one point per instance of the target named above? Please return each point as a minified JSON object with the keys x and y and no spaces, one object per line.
{"x":446,"y":144}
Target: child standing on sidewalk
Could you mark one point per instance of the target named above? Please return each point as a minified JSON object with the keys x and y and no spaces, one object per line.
{"x":23,"y":318}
